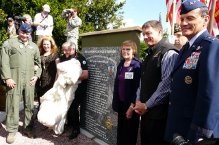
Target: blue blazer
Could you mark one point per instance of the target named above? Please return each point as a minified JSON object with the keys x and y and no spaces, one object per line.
{"x":194,"y":100}
{"x":131,"y":85}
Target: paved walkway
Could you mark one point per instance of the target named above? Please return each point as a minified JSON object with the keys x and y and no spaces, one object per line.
{"x":46,"y":136}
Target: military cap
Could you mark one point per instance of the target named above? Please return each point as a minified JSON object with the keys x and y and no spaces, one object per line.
{"x":177,"y":28}
{"x":26,"y":28}
{"x":189,"y":5}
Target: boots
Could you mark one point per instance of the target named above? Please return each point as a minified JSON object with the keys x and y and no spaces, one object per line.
{"x":10,"y":137}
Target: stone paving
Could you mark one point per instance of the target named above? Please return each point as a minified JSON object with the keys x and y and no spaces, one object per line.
{"x":46,"y":136}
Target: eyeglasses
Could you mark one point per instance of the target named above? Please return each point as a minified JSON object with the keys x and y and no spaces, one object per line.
{"x":9,"y":20}
{"x":126,"y":49}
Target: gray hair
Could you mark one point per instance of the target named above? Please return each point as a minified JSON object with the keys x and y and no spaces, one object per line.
{"x":69,"y":45}
{"x":72,"y":45}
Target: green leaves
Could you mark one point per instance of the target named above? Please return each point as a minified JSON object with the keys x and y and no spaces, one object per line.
{"x":96,"y":15}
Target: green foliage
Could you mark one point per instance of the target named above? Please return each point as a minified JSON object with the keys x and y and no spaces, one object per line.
{"x":3,"y":32}
{"x":95,"y":16}
{"x":142,"y":50}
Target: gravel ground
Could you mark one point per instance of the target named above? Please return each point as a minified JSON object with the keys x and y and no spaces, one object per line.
{"x":45,"y":136}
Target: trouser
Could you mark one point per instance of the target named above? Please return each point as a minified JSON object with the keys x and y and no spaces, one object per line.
{"x":73,"y":112}
{"x":12,"y":106}
{"x":73,"y":40}
{"x":127,"y":129}
{"x":152,"y":131}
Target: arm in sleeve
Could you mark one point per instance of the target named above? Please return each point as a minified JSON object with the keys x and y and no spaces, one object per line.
{"x":37,"y":62}
{"x":137,"y":76}
{"x":75,"y":22}
{"x":167,"y":64}
{"x":5,"y":61}
{"x":51,"y":24}
{"x":206,"y":112}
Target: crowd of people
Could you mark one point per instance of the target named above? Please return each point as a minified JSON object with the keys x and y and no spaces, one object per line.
{"x":177,"y":99}
{"x":34,"y":70}
{"x":174,"y":90}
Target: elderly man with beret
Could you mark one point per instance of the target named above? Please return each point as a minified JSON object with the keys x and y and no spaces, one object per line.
{"x":193,"y":105}
{"x":20,"y":68}
{"x":180,"y":39}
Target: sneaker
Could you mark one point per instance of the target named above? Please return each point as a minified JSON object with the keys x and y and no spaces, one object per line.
{"x":10,"y":137}
{"x":74,"y":134}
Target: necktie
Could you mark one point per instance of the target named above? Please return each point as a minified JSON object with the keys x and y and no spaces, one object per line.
{"x":184,"y":49}
{"x":186,"y":46}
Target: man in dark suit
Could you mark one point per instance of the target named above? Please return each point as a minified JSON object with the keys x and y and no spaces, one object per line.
{"x":193,"y":107}
{"x":155,"y":84}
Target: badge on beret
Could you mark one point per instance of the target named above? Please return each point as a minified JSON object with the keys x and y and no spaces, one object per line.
{"x":84,"y":62}
{"x":188,"y":80}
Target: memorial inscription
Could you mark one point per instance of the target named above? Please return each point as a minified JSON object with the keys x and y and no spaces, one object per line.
{"x":97,"y":116}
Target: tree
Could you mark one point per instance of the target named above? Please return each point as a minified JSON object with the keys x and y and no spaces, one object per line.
{"x":95,"y":14}
{"x":3,"y":33}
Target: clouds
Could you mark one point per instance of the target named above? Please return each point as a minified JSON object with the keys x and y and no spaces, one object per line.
{"x":129,"y":22}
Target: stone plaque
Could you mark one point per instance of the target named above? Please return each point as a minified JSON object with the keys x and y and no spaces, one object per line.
{"x":97,"y":116}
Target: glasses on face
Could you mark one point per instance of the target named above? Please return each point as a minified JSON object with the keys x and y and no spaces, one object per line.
{"x":126,"y":49}
{"x":9,"y":20}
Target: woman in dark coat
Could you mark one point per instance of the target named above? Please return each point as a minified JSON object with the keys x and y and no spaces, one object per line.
{"x":126,"y":84}
{"x":48,"y":52}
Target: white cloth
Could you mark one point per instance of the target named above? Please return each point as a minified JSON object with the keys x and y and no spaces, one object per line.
{"x":47,"y":21}
{"x":56,"y":101}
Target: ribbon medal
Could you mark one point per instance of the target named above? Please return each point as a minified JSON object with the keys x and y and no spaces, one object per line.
{"x":192,"y":61}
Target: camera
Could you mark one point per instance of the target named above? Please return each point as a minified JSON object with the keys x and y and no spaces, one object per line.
{"x":67,"y":13}
{"x":18,"y":20}
{"x":179,"y":140}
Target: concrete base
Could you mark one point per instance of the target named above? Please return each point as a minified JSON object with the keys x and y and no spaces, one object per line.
{"x":87,"y":134}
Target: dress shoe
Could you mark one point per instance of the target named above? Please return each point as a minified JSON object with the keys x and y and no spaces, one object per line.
{"x":74,"y":134}
{"x":10,"y":137}
{"x":29,"y":133}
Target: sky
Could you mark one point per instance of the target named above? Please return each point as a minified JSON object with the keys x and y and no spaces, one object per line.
{"x":136,"y":12}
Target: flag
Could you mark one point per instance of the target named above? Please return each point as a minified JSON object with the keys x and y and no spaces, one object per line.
{"x":173,"y":6}
{"x":176,"y":18}
{"x":215,"y":27}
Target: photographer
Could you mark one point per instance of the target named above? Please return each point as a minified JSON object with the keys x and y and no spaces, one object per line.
{"x":43,"y":22}
{"x":18,"y":20}
{"x":11,"y":29}
{"x":73,"y":24}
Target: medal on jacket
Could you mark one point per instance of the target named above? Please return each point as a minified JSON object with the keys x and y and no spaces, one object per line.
{"x":192,"y":61}
{"x":188,"y":80}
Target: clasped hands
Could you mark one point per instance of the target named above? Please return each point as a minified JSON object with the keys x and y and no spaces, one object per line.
{"x":140,"y":108}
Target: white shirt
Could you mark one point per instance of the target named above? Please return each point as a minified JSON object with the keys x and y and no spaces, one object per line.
{"x":47,"y":21}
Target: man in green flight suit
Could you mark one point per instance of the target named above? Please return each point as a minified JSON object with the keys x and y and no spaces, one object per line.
{"x":20,"y":68}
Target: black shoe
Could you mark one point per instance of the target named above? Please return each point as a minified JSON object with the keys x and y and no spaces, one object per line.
{"x":29,"y":133}
{"x":74,"y":134}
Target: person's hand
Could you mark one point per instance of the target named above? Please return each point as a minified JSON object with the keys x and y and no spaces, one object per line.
{"x":129,"y":112}
{"x":33,"y":80}
{"x":10,"y":83}
{"x":140,"y":108}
